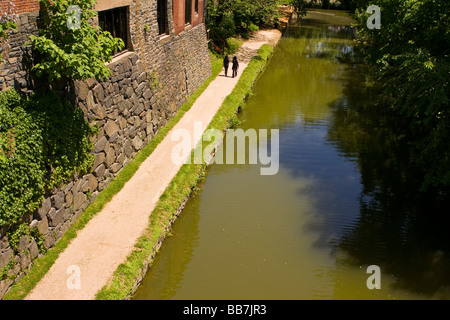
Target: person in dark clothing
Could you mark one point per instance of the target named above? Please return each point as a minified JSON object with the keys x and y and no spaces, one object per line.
{"x":226,"y":62}
{"x":235,"y":66}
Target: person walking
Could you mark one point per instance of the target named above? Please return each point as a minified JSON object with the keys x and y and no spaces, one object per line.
{"x":226,"y":62}
{"x":235,"y":66}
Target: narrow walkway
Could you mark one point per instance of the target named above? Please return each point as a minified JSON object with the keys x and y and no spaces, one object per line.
{"x":109,"y":237}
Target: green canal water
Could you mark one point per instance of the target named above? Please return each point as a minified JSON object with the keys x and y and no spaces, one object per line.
{"x":338,"y":204}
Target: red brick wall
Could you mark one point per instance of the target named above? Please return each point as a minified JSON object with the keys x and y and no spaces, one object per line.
{"x":21,"y":6}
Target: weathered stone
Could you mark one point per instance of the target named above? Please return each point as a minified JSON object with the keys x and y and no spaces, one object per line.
{"x":122,"y":123}
{"x":93,"y":183}
{"x":5,"y":257}
{"x":57,"y":218}
{"x":43,"y":226}
{"x":131,"y":132}
{"x":90,"y":103}
{"x":99,"y":111}
{"x":82,"y":90}
{"x":23,"y":243}
{"x":58,"y":200}
{"x":128,"y":148}
{"x":4,"y":286}
{"x":78,"y":200}
{"x":141,"y":88}
{"x":138,"y":109}
{"x":149,"y":129}
{"x":101,"y":144}
{"x":85,"y":186}
{"x":124,"y":105}
{"x":137,"y":143}
{"x":99,"y":158}
{"x":114,"y":138}
{"x":45,"y":208}
{"x":129,"y":92}
{"x":142,"y":77}
{"x":127,"y":65}
{"x":110,"y":157}
{"x":33,"y":248}
{"x":121,"y":158}
{"x":49,"y":240}
{"x":140,"y":66}
{"x":99,"y":172}
{"x":115,"y":167}
{"x":51,"y":212}
{"x":69,"y":199}
{"x":68,"y":187}
{"x":24,"y":260}
{"x":99,"y":92}
{"x":111,"y":127}
{"x":147,"y":94}
{"x":77,"y":185}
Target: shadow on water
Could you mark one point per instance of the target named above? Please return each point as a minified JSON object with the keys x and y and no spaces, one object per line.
{"x":345,"y":196}
{"x":399,"y":228}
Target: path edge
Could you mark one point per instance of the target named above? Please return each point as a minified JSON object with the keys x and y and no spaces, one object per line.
{"x":130,"y":274}
{"x":20,"y":289}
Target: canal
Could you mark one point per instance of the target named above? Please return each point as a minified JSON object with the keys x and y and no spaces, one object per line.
{"x":339,"y":203}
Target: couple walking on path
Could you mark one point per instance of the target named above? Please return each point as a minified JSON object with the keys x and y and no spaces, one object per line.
{"x":235,"y":66}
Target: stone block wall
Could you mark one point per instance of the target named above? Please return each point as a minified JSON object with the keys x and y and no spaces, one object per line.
{"x":146,"y":88}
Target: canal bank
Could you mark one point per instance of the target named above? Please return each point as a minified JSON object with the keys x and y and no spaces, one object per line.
{"x":104,"y":243}
{"x":253,"y":56}
{"x":336,"y":207}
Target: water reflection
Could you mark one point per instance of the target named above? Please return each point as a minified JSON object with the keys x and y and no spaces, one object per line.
{"x":400,"y":228}
{"x":344,"y":197}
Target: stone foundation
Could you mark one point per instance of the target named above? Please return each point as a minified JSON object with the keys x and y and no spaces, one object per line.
{"x":147,"y":87}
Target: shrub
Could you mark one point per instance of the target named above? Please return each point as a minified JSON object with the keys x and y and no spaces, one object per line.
{"x":72,"y":49}
{"x":43,"y":142}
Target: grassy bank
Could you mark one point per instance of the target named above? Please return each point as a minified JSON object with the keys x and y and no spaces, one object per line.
{"x":182,"y":187}
{"x":41,"y":265}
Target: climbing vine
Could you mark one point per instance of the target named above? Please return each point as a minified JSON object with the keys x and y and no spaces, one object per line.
{"x":44,"y":141}
{"x":70,"y":45}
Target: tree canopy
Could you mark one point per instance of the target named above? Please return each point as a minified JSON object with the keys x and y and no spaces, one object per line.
{"x":410,"y":54}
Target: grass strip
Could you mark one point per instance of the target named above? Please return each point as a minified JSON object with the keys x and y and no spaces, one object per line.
{"x":181,"y":188}
{"x":41,"y":265}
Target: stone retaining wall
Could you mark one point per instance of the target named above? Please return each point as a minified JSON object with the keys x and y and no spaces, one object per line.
{"x":147,"y":87}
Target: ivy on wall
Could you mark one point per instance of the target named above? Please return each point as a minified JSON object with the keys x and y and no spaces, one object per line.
{"x":44,"y":141}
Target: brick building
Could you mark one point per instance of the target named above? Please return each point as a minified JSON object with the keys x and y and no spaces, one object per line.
{"x":165,"y":60}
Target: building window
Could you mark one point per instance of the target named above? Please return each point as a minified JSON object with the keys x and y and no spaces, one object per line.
{"x":196,"y":6}
{"x":116,"y":21}
{"x":163,"y":25}
{"x":188,"y":11}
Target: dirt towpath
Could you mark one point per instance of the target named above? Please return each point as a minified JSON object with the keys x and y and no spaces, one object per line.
{"x":109,"y":237}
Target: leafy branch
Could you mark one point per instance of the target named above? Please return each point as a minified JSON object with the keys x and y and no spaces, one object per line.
{"x":71,"y":47}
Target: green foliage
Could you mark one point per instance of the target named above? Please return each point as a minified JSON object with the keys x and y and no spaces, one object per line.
{"x":411,"y":58}
{"x":15,"y":236}
{"x":5,"y":26}
{"x":43,"y":142}
{"x":70,"y":46}
{"x":229,"y":17}
{"x":232,"y":45}
{"x":300,"y":6}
